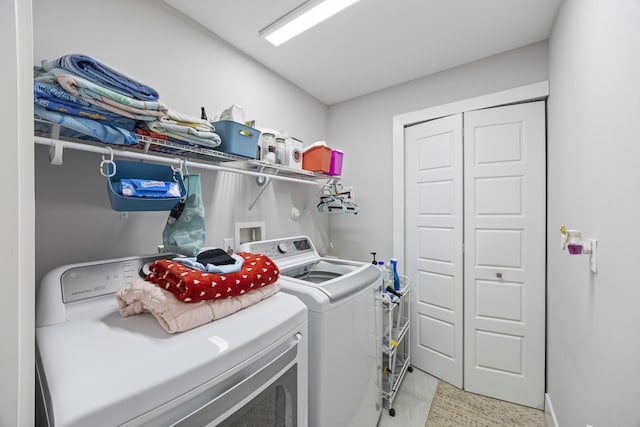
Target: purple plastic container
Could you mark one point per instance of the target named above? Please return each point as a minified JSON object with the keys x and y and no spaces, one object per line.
{"x":574,"y":249}
{"x":336,"y":163}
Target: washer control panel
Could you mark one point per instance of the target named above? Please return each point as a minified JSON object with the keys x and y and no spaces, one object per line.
{"x":281,"y":248}
{"x":93,"y":280}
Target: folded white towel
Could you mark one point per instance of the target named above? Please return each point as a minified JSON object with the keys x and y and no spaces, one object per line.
{"x":176,"y":117}
{"x":177,"y":316}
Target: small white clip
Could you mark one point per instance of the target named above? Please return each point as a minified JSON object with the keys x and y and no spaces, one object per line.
{"x":178,"y":169}
{"x":105,"y":162}
{"x":55,"y":152}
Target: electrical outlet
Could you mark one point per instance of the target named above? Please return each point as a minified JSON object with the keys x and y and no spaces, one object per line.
{"x":227,"y":244}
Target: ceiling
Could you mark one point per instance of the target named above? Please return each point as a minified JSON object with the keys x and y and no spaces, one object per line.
{"x":375,"y":44}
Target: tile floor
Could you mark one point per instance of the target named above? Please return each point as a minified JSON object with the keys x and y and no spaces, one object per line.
{"x":412,"y":402}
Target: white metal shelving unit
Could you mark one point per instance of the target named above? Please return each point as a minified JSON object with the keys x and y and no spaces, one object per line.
{"x":167,"y":152}
{"x":395,"y":345}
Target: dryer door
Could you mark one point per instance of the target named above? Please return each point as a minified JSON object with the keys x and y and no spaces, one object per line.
{"x":268,"y":391}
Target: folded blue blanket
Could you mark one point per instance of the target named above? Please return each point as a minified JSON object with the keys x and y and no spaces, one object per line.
{"x":103,"y":75}
{"x":101,"y":131}
{"x":53,"y":97}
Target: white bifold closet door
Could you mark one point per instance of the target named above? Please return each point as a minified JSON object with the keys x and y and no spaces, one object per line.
{"x":475,"y":249}
{"x":433,"y":245}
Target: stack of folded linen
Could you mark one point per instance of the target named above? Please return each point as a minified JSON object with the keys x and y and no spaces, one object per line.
{"x":79,"y":118}
{"x":89,"y":97}
{"x":108,"y":99}
{"x":103,"y":75}
{"x":174,"y":315}
{"x":181,"y":128}
{"x":183,"y":293}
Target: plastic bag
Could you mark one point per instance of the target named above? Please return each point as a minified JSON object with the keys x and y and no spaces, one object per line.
{"x":148,"y":188}
{"x":184,"y":232}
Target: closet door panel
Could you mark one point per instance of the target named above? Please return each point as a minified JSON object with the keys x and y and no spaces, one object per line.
{"x":498,"y":248}
{"x":504,"y":290}
{"x":498,"y":300}
{"x":499,"y":196}
{"x":433,"y":239}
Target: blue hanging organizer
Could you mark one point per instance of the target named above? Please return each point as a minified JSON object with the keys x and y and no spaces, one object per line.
{"x":136,"y":186}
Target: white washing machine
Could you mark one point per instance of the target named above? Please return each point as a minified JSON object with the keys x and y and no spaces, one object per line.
{"x":95,"y":368}
{"x":344,"y":329}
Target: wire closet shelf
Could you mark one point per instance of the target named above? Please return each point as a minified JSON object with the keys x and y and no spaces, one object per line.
{"x":168,"y":152}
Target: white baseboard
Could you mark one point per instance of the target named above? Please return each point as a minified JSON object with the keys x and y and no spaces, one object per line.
{"x":552,"y":421}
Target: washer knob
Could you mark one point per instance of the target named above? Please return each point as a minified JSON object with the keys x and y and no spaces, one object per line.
{"x":283,"y":248}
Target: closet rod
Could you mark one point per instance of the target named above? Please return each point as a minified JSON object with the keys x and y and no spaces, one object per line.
{"x":171,"y":161}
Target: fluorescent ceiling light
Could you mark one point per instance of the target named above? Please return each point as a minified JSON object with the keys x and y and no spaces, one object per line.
{"x":301,"y":19}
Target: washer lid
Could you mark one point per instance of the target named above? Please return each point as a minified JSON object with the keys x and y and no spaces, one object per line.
{"x":338,"y":279}
{"x":108,"y":369}
{"x":299,"y":262}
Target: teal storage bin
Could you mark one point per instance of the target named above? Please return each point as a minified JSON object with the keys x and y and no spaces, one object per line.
{"x":237,"y":138}
{"x":127,"y":170}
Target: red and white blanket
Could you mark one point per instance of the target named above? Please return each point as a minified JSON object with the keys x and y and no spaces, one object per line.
{"x":191,"y":285}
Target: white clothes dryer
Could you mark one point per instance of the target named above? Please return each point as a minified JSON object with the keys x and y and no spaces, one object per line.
{"x":344,"y":329}
{"x":95,"y":368}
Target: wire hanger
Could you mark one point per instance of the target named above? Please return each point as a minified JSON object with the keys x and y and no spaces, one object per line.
{"x":338,"y":200}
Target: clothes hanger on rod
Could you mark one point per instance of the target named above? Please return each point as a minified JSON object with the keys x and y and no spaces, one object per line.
{"x":338,"y":200}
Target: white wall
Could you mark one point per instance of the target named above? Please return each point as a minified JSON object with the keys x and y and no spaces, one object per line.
{"x":363,"y":128}
{"x":593,"y":344}
{"x":190,"y":68}
{"x":16,"y":251}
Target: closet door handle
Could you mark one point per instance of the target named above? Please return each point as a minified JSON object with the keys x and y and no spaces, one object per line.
{"x":499,"y":275}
